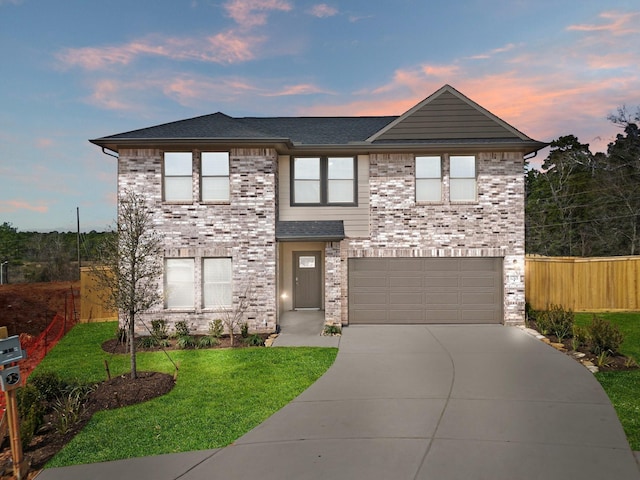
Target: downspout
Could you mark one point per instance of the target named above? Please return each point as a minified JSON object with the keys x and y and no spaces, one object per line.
{"x":107,"y":153}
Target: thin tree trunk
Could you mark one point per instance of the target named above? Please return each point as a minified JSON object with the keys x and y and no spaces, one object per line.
{"x":134,"y":372}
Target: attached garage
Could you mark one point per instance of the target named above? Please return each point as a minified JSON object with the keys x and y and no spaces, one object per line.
{"x":425,"y":290}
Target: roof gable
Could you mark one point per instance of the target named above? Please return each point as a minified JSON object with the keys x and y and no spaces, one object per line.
{"x":447,"y":115}
{"x":445,"y":119}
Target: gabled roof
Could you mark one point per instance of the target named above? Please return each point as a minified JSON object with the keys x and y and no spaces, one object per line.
{"x":447,"y":114}
{"x":446,"y":119}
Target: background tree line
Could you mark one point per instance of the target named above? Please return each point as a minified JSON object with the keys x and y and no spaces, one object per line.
{"x":45,"y":257}
{"x":584,"y":204}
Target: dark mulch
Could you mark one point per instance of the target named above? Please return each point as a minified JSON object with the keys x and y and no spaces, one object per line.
{"x":114,"y":345}
{"x":613,"y":362}
{"x":118,"y":392}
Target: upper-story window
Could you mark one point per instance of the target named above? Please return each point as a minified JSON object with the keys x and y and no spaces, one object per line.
{"x":178,"y":177}
{"x":462,"y":173}
{"x":428,"y":179}
{"x":323,"y":181}
{"x":214,"y":169}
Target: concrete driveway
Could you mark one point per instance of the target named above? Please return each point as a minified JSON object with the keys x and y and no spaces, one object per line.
{"x":421,"y":402}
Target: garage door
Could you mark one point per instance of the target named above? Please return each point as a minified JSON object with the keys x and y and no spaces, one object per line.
{"x":425,"y":290}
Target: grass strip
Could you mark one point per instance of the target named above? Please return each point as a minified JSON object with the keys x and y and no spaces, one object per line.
{"x":623,"y":387}
{"x":220,"y":395}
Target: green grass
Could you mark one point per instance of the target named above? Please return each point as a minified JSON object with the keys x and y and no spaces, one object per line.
{"x":219,"y":396}
{"x":627,"y":322}
{"x":623,"y":388}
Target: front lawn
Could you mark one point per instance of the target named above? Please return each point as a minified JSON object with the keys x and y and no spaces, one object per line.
{"x":623,"y":387}
{"x":219,"y":395}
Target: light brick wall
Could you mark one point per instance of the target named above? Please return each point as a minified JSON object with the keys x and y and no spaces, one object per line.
{"x":493,"y":226}
{"x":242,"y":229}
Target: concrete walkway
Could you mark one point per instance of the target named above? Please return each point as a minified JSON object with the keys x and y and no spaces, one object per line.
{"x":420,"y":402}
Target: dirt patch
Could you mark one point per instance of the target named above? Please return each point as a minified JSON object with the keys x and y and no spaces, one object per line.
{"x":30,"y":307}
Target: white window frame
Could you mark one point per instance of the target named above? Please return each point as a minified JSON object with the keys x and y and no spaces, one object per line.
{"x":462,"y":178}
{"x":175,"y":177}
{"x":428,"y":178}
{"x":212,"y":298}
{"x":218,"y":172}
{"x":179,"y":283}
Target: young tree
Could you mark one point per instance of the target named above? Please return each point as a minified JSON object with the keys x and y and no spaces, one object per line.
{"x":130,"y":265}
{"x":232,"y":318}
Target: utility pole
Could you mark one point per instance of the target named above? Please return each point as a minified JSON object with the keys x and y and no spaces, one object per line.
{"x":78,"y":240}
{"x":2,"y":266}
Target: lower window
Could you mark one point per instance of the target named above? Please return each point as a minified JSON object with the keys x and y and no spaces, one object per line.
{"x":179,"y":283}
{"x":216,"y":282}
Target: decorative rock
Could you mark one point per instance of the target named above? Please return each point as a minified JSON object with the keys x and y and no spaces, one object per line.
{"x":559,"y":346}
{"x":546,"y":340}
{"x":269,"y":341}
{"x":578,"y":354}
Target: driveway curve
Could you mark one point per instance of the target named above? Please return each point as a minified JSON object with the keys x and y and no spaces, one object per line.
{"x":421,"y":402}
{"x":438,"y":402}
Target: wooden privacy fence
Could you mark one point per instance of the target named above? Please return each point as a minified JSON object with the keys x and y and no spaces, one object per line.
{"x":91,"y":307}
{"x":583,"y":284}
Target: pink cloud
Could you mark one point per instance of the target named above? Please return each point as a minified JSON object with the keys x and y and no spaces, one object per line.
{"x":226,"y":47}
{"x":322,"y":10}
{"x":107,"y":93}
{"x":615,"y":23}
{"x":44,"y":142}
{"x":492,"y":53}
{"x":11,"y":206}
{"x":252,"y":13}
{"x":301,"y":89}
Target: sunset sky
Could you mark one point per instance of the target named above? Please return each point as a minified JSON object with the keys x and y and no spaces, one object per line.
{"x":76,"y":69}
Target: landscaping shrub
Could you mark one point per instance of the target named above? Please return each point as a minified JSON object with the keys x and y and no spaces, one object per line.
{"x":185,"y":341}
{"x":48,"y":384}
{"x":216,"y":328}
{"x":159,"y":329}
{"x":331,"y":330}
{"x":603,"y":336}
{"x":255,"y":340}
{"x":580,"y":336}
{"x":69,"y":407}
{"x":556,"y":321}
{"x":208,"y":341}
{"x":148,"y":341}
{"x":182,"y":329}
{"x":244,"y":330}
{"x":31,"y":409}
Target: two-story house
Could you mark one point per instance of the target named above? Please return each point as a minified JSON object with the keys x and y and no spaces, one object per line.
{"x":417,"y":218}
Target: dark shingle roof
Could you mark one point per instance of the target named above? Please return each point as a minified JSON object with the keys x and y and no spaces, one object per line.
{"x":444,"y":119}
{"x":325,"y":230}
{"x":300,"y":130}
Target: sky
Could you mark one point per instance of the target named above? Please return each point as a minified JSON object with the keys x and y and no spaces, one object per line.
{"x":73,"y":70}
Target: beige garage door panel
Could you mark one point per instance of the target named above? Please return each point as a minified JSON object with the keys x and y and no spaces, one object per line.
{"x":425,"y":290}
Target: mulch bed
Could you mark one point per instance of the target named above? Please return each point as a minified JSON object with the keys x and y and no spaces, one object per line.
{"x":614,"y":362}
{"x":114,"y":345}
{"x":120,"y":391}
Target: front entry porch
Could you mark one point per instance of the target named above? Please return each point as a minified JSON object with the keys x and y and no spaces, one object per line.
{"x":303,"y":328}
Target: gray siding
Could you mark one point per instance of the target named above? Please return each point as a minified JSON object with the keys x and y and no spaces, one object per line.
{"x":447,"y":117}
{"x":356,"y":219}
